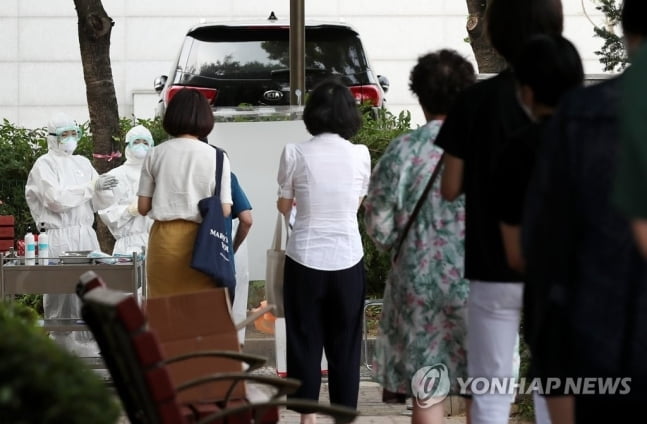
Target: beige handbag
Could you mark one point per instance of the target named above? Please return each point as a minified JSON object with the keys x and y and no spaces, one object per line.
{"x":274,"y":266}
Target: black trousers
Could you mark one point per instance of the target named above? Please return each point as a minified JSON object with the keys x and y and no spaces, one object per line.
{"x":323,"y":311}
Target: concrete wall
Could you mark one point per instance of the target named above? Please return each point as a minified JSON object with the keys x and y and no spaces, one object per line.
{"x":41,"y":67}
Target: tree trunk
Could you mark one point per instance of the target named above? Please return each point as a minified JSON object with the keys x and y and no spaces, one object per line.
{"x":95,"y":27}
{"x":487,"y":59}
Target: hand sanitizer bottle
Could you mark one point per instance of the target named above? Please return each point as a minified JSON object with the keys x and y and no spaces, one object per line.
{"x":43,"y":246}
{"x":30,"y":248}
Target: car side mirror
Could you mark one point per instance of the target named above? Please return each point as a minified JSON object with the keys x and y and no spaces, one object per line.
{"x":159,"y":83}
{"x":384,"y":82}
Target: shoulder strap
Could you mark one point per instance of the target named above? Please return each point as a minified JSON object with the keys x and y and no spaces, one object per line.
{"x":421,"y":200}
{"x":219,"y":160}
{"x":281,"y":223}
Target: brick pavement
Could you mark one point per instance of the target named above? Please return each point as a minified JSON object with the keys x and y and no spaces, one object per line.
{"x":373,"y":410}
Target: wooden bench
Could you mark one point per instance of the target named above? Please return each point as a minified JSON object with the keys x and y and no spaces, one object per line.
{"x":7,"y":233}
{"x":139,"y":371}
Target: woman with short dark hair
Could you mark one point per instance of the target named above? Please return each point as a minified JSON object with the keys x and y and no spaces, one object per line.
{"x":324,"y":270}
{"x":176,"y":175}
{"x":332,"y":109}
{"x":188,"y":113}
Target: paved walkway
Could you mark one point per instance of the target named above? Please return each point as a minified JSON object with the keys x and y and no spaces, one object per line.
{"x":374,"y":411}
{"x":370,"y":405}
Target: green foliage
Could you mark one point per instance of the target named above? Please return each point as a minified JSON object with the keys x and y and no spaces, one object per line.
{"x":378,"y":129}
{"x":611,"y":9}
{"x":255,"y":117}
{"x":34,"y":302}
{"x":612,"y":54}
{"x":19,"y":149}
{"x":85,"y":146}
{"x":525,"y":408}
{"x":42,"y":383}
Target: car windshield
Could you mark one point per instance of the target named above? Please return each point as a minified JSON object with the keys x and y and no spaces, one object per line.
{"x":262,"y":53}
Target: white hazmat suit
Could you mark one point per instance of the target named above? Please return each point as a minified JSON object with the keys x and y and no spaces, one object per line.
{"x":118,"y":207}
{"x":59,"y":190}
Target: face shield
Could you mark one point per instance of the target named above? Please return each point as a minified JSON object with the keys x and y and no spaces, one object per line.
{"x":68,"y":138}
{"x":63,"y":134}
{"x":68,"y":131}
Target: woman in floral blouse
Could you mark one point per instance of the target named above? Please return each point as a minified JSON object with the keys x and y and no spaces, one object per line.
{"x":423,"y":317}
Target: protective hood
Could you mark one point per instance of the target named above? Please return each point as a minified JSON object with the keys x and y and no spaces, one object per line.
{"x":58,"y":124}
{"x":135,"y":133}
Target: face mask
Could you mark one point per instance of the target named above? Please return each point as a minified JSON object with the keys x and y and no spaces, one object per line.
{"x":139,"y":151}
{"x":68,"y":144}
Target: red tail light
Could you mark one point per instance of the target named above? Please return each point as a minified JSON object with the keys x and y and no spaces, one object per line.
{"x":210,"y":93}
{"x":367,"y":93}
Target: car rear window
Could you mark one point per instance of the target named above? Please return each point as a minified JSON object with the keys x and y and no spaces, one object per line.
{"x":222,"y":52}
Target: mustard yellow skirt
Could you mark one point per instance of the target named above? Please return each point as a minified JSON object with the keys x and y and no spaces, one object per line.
{"x":168,"y":259}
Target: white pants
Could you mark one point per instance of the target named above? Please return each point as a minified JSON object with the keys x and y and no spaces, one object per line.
{"x":493,"y":316}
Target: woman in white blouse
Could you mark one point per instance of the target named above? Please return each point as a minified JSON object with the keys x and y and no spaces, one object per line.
{"x":175,"y":176}
{"x":324,"y":286}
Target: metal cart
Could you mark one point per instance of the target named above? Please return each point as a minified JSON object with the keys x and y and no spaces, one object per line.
{"x":62,"y":278}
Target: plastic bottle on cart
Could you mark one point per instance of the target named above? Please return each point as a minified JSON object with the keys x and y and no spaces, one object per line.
{"x":30,"y":248}
{"x":11,"y":258}
{"x":35,"y":233}
{"x":43,"y":246}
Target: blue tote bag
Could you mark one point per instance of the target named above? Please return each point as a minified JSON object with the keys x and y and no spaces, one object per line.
{"x":211,"y":248}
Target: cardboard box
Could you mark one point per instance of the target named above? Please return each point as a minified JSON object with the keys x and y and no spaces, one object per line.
{"x":199,"y":321}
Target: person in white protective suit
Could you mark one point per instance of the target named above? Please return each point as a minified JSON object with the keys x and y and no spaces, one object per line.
{"x":59,"y":193}
{"x":118,"y":207}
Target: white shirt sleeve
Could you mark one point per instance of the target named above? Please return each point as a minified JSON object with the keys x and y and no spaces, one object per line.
{"x":146,"y":181}
{"x":286,"y":172}
{"x":365,"y":167}
{"x":225,"y":182}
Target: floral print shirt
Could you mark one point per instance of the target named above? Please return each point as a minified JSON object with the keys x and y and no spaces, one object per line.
{"x":423,"y":321}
